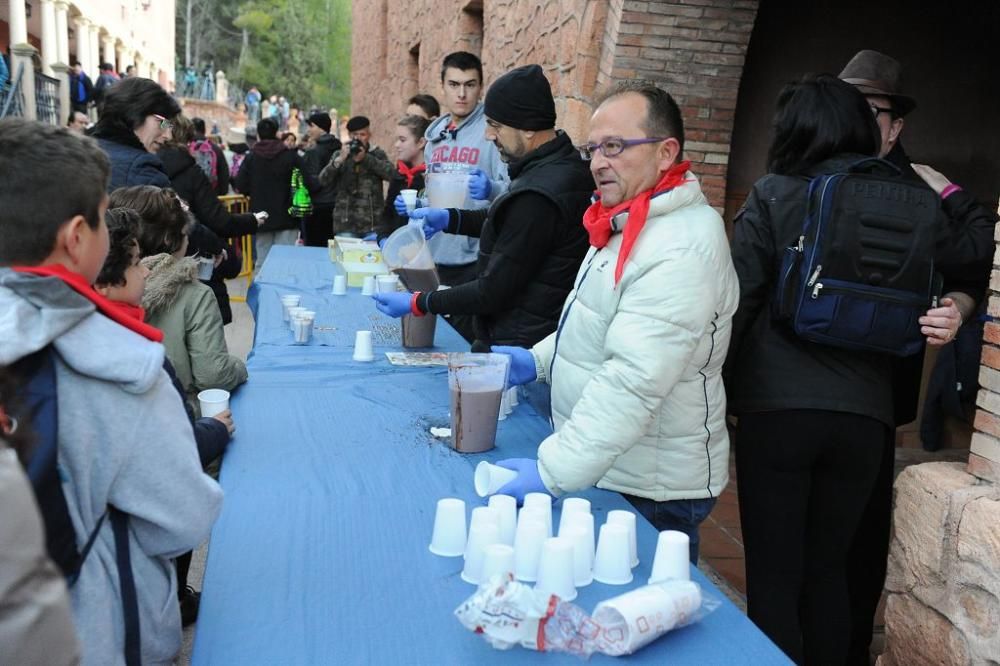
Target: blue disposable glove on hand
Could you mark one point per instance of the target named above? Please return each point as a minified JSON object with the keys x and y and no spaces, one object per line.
{"x":400,"y":205}
{"x":479,"y":185}
{"x":528,"y":480}
{"x":522,"y":365}
{"x":393,"y":303}
{"x":370,"y":237}
{"x":435,"y":219}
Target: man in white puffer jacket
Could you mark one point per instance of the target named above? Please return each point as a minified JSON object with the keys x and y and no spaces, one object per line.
{"x":638,"y":402}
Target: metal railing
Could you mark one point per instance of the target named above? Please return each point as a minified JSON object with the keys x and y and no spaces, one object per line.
{"x":237,"y":204}
{"x":12,"y":97}
{"x":47,"y":106}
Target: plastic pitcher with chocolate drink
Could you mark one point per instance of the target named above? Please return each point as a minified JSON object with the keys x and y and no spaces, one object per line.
{"x":476,"y":382}
{"x":406,"y":254}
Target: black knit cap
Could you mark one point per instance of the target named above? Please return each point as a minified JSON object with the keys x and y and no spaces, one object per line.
{"x":522,"y":99}
{"x":357,"y":123}
{"x":320,"y":119}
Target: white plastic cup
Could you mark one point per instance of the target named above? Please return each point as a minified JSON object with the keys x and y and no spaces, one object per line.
{"x":213,"y":401}
{"x":363,"y":349}
{"x":339,"y":285}
{"x":647,"y":613}
{"x":627,"y":518}
{"x":481,"y":515}
{"x":448,"y":537}
{"x":303,"y":326}
{"x":612,"y":564}
{"x":386,"y":284}
{"x":480,"y":536}
{"x":555,"y":570}
{"x":583,"y":553}
{"x":536,"y":513}
{"x":293,"y":312}
{"x":409,"y":198}
{"x":490,"y":478}
{"x":498,"y":560}
{"x":528,"y":548}
{"x":368,"y":286}
{"x":288,"y":301}
{"x":572,"y":505}
{"x":505,"y":507}
{"x":504,"y":408}
{"x":206,"y":265}
{"x":673,"y":557}
{"x":543,"y":503}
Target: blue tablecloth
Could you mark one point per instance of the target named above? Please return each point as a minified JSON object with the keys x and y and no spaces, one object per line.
{"x":320,"y":554}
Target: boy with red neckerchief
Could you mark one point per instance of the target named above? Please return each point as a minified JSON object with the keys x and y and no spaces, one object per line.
{"x":123,"y":437}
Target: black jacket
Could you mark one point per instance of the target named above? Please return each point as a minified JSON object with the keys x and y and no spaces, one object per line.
{"x":131,"y":163}
{"x":192,"y":185}
{"x":313,"y":162}
{"x":266,"y":177}
{"x":531,"y":244}
{"x":769,"y":367}
{"x":390,"y":219}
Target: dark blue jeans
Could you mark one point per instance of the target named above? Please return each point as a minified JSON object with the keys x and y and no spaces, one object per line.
{"x":680,"y":515}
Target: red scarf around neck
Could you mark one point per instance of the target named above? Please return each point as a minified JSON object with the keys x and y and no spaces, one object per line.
{"x":408,"y":172}
{"x":597,"y":219}
{"x":116,"y":311}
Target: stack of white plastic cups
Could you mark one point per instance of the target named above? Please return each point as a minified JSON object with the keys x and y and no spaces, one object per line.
{"x":288,"y":301}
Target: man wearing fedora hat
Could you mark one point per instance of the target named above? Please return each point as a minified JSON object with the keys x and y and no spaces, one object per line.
{"x":879,"y":78}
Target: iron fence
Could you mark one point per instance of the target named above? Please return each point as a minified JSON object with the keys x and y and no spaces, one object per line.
{"x":11,"y":95}
{"x":47,"y":107}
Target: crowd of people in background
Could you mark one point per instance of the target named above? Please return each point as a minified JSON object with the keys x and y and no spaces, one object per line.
{"x":629,"y":301}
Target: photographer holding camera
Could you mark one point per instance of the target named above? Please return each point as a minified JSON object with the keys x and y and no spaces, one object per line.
{"x":356,"y":173}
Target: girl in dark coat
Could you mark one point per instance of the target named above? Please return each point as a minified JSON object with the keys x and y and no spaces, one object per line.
{"x":410,"y":167}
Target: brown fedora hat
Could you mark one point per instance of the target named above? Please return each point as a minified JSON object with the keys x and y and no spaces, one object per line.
{"x":875,"y":73}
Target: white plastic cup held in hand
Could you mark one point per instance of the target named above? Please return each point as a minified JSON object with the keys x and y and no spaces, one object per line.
{"x":490,"y":478}
{"x":647,"y":613}
{"x":386,"y":284}
{"x":611,"y":563}
{"x":673,"y":557}
{"x":409,"y":198}
{"x":498,"y":560}
{"x":481,"y":515}
{"x":368,"y":286}
{"x":480,"y":536}
{"x":206,"y":265}
{"x":448,"y":538}
{"x":583,"y":553}
{"x":555,"y":570}
{"x":627,"y":518}
{"x":339,"y":285}
{"x":572,"y":505}
{"x":543,"y":503}
{"x":528,"y":548}
{"x":213,"y":401}
{"x":505,"y":507}
{"x":363,"y":350}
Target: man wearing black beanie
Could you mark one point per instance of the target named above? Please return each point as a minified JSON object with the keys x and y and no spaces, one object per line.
{"x":531,"y":240}
{"x":317,"y":227}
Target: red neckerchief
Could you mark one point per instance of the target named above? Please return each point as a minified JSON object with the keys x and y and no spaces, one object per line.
{"x":408,"y":172}
{"x":597,"y":219}
{"x":113,"y":310}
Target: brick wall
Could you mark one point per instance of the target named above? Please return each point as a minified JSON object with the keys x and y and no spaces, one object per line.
{"x":694,"y":48}
{"x":984,"y":458}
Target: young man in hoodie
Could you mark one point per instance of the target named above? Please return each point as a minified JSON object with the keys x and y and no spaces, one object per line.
{"x":123,"y":437}
{"x":459,"y":136}
{"x":317,"y":227}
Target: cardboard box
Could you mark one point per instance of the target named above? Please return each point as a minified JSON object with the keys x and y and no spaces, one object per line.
{"x":358,"y":258}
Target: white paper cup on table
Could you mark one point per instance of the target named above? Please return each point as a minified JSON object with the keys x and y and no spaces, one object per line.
{"x":528,"y":548}
{"x":206,"y":265}
{"x":363,"y":348}
{"x":480,"y":536}
{"x":490,"y":478}
{"x":647,"y":612}
{"x":572,"y":505}
{"x":627,"y":518}
{"x":514,"y":402}
{"x":555,"y":570}
{"x":481,"y":515}
{"x":339,"y":285}
{"x":543,"y":503}
{"x":612,"y":561}
{"x":498,"y":560}
{"x":213,"y":401}
{"x":505,"y":507}
{"x":386,"y":284}
{"x":673,"y":557}
{"x":448,"y":537}
{"x":368,"y":286}
{"x":583,"y":553}
{"x":579,"y":519}
{"x":537,"y":513}
{"x":304,"y":326}
{"x":409,"y":198}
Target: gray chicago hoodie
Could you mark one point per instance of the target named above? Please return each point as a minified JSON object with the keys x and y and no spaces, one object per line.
{"x":124,"y":440}
{"x":465,"y":144}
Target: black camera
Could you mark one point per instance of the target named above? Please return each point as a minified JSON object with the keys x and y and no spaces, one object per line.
{"x":355,"y":146}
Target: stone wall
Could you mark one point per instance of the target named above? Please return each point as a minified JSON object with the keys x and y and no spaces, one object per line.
{"x":943,"y":605}
{"x":694,"y":48}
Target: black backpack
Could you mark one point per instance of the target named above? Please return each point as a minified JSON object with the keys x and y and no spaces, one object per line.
{"x":862,"y":271}
{"x":39,"y":395}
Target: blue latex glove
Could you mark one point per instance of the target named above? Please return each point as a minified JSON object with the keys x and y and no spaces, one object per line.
{"x":522,"y":365}
{"x":435,"y":219}
{"x":381,"y":243}
{"x":393,"y":303}
{"x":370,"y":237}
{"x":400,"y":205}
{"x":479,"y":185}
{"x":528,"y":480}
